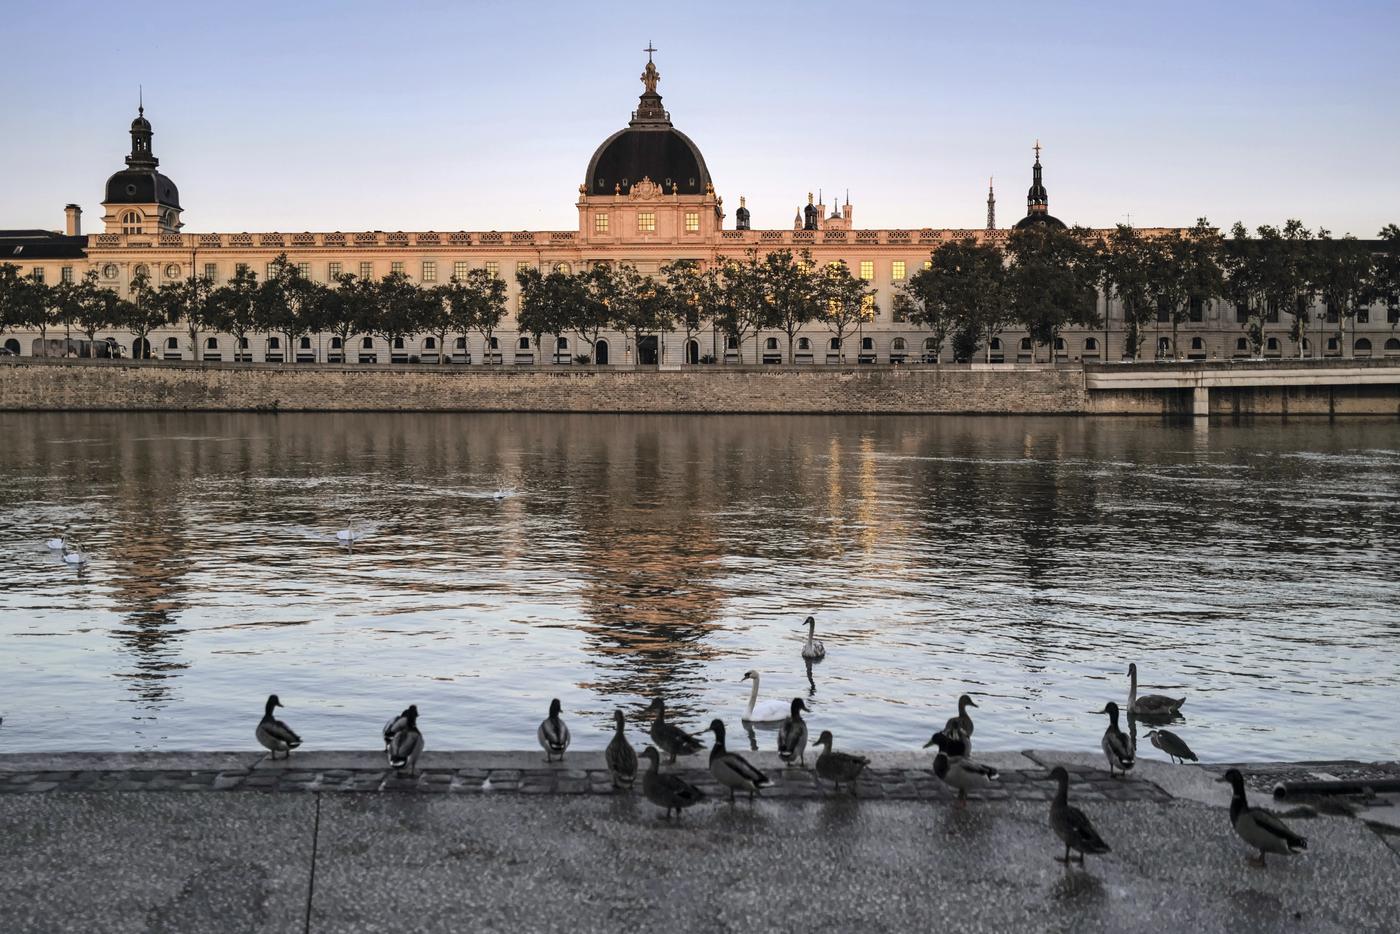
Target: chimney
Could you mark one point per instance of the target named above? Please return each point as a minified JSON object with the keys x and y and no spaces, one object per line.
{"x":73,"y":216}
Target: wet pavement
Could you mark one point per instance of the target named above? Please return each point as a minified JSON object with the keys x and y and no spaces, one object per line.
{"x":345,"y":856}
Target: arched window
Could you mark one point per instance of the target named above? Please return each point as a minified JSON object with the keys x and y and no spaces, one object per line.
{"x":243,"y":343}
{"x":211,"y":343}
{"x":1392,"y":346}
{"x":1025,"y":343}
{"x":430,"y":343}
{"x":142,"y":270}
{"x":563,"y":342}
{"x":565,"y":268}
{"x":1241,"y":344}
{"x":867,"y":343}
{"x":461,"y":343}
{"x":897,"y":344}
{"x":996,"y":343}
{"x":172,"y":343}
{"x":274,"y":343}
{"x":770,"y":344}
{"x":834,"y":344}
{"x":731,"y":343}
{"x":131,"y":222}
{"x":367,"y":343}
{"x":804,"y":344}
{"x":1091,"y":343}
{"x":1059,"y":343}
{"x":335,"y":343}
{"x":398,"y":343}
{"x":930,"y":344}
{"x":306,"y":343}
{"x":523,"y":343}
{"x":1363,"y":347}
{"x":1197,"y":344}
{"x":495,"y":343}
{"x":1273,"y":343}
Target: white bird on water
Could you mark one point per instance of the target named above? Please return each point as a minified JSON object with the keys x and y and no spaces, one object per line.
{"x":56,"y":543}
{"x":812,"y":649}
{"x":769,"y":711}
{"x":347,"y":536}
{"x":74,"y":556}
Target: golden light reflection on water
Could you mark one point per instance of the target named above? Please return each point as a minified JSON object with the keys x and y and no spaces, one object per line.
{"x":1026,"y":560}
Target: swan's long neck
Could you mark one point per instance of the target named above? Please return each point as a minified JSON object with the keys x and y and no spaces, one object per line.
{"x":1132,"y":689}
{"x":753,"y":694}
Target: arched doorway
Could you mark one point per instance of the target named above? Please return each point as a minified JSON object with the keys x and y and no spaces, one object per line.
{"x":647,"y":351}
{"x":692,"y":351}
{"x":12,"y":347}
{"x":600,"y":353}
{"x":141,"y":349}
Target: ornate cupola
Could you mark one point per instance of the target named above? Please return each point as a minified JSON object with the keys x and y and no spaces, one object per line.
{"x":648,"y":181}
{"x":1038,"y":200}
{"x":741,"y":216}
{"x":140,"y":200}
{"x":811,"y":215}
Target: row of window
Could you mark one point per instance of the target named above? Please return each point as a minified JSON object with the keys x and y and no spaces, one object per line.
{"x":646,"y":222}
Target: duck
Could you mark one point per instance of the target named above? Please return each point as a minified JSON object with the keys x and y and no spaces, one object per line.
{"x":1070,"y":824}
{"x":670,"y":738}
{"x":1117,"y":747}
{"x":792,"y":736}
{"x":620,"y":757}
{"x":731,"y":769}
{"x":1173,"y":745}
{"x":406,"y":743}
{"x":958,"y":772}
{"x":838,"y":767}
{"x":553,"y":734}
{"x":667,"y":791}
{"x":812,"y":649}
{"x":275,"y":735}
{"x":762,"y":711}
{"x":398,"y":723}
{"x":1150,"y":705}
{"x":1257,"y":827}
{"x":960,"y":727}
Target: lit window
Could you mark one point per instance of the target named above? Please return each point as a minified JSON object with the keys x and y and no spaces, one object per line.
{"x":867,"y":269}
{"x":211,"y":271}
{"x":429,"y":271}
{"x":304,"y":270}
{"x":493,"y":269}
{"x":867,"y":307}
{"x":271,"y":270}
{"x":521,"y":266}
{"x":38,"y":274}
{"x":459,"y":270}
{"x":131,"y":223}
{"x":564,"y":268}
{"x":646,"y":221}
{"x":897,"y":270}
{"x":366,"y":270}
{"x":600,"y":223}
{"x":692,"y":221}
{"x":143,"y":270}
{"x":332,"y":271}
{"x":928,"y":264}
{"x":396,"y":268}
{"x":67,"y":274}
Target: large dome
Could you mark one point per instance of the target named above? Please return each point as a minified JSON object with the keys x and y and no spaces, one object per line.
{"x":141,"y":186}
{"x":664,"y":154}
{"x":648,"y":147}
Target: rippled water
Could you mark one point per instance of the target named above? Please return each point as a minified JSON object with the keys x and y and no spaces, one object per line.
{"x":1253,"y":567}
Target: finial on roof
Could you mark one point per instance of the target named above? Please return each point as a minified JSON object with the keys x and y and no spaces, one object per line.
{"x":140,"y":100}
{"x":649,"y":49}
{"x":1037,"y":150}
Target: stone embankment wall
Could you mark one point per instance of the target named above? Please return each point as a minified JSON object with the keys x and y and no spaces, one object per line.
{"x":117,"y":385}
{"x":58,"y":385}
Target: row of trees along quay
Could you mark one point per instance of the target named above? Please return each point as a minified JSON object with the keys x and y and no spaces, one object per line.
{"x":1041,"y":280}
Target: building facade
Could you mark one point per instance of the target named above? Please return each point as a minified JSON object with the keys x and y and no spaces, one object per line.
{"x":646,"y":199}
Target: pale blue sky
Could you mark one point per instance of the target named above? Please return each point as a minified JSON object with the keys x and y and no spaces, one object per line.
{"x":446,"y":116}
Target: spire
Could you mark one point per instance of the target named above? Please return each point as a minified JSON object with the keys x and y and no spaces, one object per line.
{"x":141,"y":133}
{"x":991,"y":206}
{"x":1037,"y":199}
{"x":649,"y":111}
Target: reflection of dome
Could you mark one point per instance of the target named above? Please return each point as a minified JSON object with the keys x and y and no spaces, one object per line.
{"x":649,"y":147}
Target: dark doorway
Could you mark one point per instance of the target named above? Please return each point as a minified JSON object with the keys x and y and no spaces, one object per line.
{"x":646,"y":350}
{"x":600,"y":353}
{"x":692,"y":352}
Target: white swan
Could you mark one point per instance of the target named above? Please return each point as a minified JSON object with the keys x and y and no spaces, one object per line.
{"x":56,"y":543}
{"x":501,"y":494}
{"x":74,"y":556}
{"x":770,"y":711}
{"x":813,"y":648}
{"x":347,"y":536}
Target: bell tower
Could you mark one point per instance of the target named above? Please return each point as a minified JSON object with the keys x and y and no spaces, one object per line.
{"x":140,"y":200}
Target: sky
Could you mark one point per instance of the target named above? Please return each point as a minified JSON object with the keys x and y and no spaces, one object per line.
{"x":483,"y":116}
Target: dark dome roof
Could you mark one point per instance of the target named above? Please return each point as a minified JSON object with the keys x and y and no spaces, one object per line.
{"x":1039,"y":218}
{"x":140,"y":123}
{"x":141,"y":186}
{"x":661,"y":153}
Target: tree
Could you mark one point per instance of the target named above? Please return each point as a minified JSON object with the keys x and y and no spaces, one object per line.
{"x":684,"y":294}
{"x":594,"y":294}
{"x":1184,"y":273}
{"x":349,"y":309}
{"x":399,"y":309}
{"x":791,"y":293}
{"x":1243,"y":264}
{"x":234,"y":307}
{"x":1127,"y":261}
{"x":199,"y":311}
{"x":96,"y":308}
{"x":285,"y":295}
{"x":844,"y":299}
{"x":1343,"y":275}
{"x":23,"y":304}
{"x":638,"y":306}
{"x":1052,"y":281}
{"x":962,"y":291}
{"x":1385,"y":277}
{"x":437,"y":317}
{"x":735,"y":291}
{"x":545,"y":303}
{"x":145,"y":310}
{"x":1292,"y":274}
{"x":486,"y":294}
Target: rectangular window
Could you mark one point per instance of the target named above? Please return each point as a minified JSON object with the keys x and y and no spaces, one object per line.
{"x":396,"y":268}
{"x":38,"y":274}
{"x":1241,"y":312}
{"x":646,"y":221}
{"x":521,"y":266}
{"x":429,"y":271}
{"x":493,"y":268}
{"x":67,"y":274}
{"x":211,"y":272}
{"x":600,"y":223}
{"x":1363,"y":316}
{"x":270,"y":271}
{"x":1197,"y":311}
{"x":867,"y":269}
{"x":692,"y":221}
{"x":897,"y":270}
{"x":332,"y":271}
{"x":928,"y":264}
{"x":868,"y":309}
{"x":366,"y":270}
{"x":459,"y":271}
{"x":304,"y":270}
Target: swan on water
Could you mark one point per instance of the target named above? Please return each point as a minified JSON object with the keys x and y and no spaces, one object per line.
{"x":74,"y":555}
{"x":812,"y":649}
{"x":769,"y":711}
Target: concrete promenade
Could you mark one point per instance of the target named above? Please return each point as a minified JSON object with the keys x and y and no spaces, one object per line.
{"x":331,"y":841}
